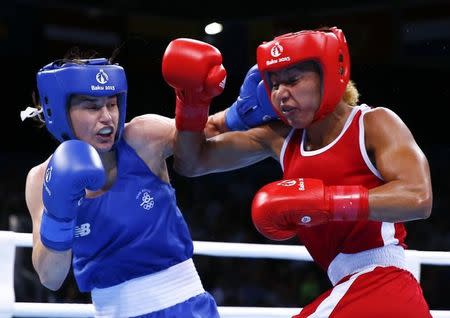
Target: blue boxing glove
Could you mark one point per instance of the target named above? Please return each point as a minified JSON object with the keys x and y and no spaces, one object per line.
{"x":253,"y":107}
{"x":73,"y":167}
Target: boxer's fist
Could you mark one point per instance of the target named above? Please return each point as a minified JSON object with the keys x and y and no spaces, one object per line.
{"x":278,"y":208}
{"x":194,"y":69}
{"x":74,"y":166}
{"x":253,"y":106}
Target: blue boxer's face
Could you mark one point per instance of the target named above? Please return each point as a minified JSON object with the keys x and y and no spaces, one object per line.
{"x":95,"y":120}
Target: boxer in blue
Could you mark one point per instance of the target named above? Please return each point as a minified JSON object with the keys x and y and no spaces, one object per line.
{"x":103,"y":202}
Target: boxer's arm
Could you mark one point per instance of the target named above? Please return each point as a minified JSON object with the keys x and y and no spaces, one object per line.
{"x":216,"y":124}
{"x":51,"y":266}
{"x":279,"y":207}
{"x":152,"y":136}
{"x":407,"y":193}
{"x":195,"y":155}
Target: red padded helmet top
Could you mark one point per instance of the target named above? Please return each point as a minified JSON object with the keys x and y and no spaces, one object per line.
{"x":326,"y":47}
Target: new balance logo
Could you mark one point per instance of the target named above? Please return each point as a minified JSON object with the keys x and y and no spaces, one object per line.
{"x":82,"y":230}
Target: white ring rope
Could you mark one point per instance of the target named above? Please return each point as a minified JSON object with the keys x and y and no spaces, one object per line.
{"x":9,"y":308}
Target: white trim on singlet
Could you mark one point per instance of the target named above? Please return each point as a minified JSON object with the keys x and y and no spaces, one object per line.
{"x":362,"y":145}
{"x":308,"y":153}
{"x":388,"y":233}
{"x":283,"y":148}
{"x":387,"y":229}
{"x":327,"y":305}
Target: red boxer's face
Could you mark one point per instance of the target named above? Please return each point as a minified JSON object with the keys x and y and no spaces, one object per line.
{"x":296,"y":93}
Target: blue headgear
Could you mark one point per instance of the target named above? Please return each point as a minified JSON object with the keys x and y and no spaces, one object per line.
{"x":60,"y":79}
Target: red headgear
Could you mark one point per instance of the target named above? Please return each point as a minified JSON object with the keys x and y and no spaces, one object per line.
{"x":326,"y":47}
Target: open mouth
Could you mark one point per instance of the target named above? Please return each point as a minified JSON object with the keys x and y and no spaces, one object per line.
{"x":285,"y":110}
{"x":105,"y":132}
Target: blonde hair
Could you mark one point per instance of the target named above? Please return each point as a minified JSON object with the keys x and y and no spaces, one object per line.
{"x":351,"y":94}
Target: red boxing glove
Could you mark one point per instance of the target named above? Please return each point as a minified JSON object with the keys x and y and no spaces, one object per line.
{"x":194,"y":69}
{"x":279,"y":207}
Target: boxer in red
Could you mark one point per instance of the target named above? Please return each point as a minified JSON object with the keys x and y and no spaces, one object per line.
{"x":352,"y":175}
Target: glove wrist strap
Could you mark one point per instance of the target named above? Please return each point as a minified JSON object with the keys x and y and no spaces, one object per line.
{"x":349,"y":203}
{"x":190,"y":118}
{"x":56,"y":234}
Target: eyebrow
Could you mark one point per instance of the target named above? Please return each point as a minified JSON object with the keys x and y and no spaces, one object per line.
{"x":83,"y":98}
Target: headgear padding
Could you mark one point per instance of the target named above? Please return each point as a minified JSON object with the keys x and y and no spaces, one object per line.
{"x":326,"y":47}
{"x":60,"y":79}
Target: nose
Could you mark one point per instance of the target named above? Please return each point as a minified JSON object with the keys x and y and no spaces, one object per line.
{"x":105,"y":114}
{"x":283,"y":94}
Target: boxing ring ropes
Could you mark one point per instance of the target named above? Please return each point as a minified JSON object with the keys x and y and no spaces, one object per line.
{"x":9,"y":308}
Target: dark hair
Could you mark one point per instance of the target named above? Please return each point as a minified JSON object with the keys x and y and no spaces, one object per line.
{"x":74,"y":53}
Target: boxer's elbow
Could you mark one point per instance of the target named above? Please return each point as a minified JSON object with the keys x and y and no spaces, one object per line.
{"x":420,"y":203}
{"x":424,"y":204}
{"x":183,"y":168}
{"x":188,"y":168}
